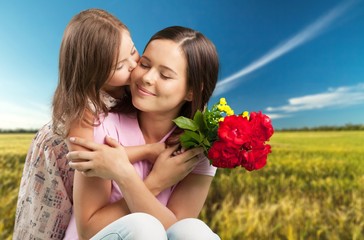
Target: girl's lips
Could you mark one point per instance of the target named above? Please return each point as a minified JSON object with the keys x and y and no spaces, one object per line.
{"x":145,"y":92}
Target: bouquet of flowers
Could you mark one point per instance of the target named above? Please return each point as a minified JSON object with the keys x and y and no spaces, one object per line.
{"x":229,"y":140}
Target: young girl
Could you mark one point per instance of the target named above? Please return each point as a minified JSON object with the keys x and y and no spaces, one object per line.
{"x":96,"y":58}
{"x":175,"y":76}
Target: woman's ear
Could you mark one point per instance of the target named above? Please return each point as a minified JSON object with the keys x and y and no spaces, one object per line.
{"x":189,"y":95}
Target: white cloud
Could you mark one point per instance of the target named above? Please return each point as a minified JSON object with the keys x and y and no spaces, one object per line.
{"x":26,"y":116}
{"x":302,"y":37}
{"x":277,"y":115}
{"x":333,"y":97}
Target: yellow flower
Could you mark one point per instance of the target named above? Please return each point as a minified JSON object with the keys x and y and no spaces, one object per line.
{"x":245,"y":114}
{"x":223,"y":101}
{"x":221,"y":119}
{"x":230,"y":112}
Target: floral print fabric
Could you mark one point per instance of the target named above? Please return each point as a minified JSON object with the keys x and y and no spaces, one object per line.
{"x":44,"y":205}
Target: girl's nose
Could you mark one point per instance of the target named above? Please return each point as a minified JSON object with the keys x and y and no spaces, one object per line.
{"x":132,"y":65}
{"x":133,"y":61}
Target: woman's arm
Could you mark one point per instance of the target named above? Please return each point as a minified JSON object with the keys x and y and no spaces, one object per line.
{"x":189,"y":196}
{"x":108,"y":162}
{"x":89,"y":194}
{"x":186,"y":201}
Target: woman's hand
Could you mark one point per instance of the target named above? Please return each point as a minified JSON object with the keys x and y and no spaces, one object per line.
{"x":104,"y":161}
{"x":154,"y":150}
{"x":168,"y":170}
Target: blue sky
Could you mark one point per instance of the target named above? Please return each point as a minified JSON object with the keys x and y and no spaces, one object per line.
{"x":301,"y":62}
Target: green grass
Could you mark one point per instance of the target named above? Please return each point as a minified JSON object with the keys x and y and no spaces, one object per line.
{"x":311,"y":188}
{"x":13,"y":149}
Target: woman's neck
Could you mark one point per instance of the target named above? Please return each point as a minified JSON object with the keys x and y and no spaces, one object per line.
{"x":115,"y":92}
{"x":155,"y":126}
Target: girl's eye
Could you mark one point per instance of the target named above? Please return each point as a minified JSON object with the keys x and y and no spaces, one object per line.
{"x":133,"y":51}
{"x":120,"y":66}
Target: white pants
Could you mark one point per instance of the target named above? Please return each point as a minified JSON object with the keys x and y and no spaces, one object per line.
{"x":142,"y":226}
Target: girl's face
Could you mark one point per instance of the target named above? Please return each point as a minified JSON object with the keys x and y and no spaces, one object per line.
{"x":128,"y":59}
{"x":159,"y":82}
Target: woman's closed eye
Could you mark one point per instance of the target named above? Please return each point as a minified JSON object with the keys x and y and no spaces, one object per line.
{"x":164,"y":76}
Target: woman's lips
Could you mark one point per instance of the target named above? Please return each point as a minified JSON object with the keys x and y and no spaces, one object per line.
{"x":144,"y":91}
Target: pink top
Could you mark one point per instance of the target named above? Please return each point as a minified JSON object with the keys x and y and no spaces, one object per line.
{"x":125,"y":129}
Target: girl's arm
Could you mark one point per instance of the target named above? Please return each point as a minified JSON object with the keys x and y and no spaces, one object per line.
{"x":148,"y":152}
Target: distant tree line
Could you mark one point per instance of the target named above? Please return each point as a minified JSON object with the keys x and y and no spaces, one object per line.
{"x":18,"y":130}
{"x":347,"y":127}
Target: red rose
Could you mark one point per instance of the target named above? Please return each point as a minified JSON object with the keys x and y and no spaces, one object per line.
{"x":261,"y":126}
{"x":224,"y":155}
{"x":256,"y":158}
{"x":234,"y":129}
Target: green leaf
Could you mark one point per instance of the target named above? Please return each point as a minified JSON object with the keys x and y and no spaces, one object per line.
{"x":188,"y":145}
{"x":185,"y":123}
{"x":206,"y":142}
{"x":188,"y":142}
{"x":200,"y":121}
{"x":193,"y":135}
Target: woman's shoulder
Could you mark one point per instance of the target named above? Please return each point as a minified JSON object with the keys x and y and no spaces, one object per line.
{"x":118,"y":126}
{"x":118,"y":119}
{"x":204,"y":166}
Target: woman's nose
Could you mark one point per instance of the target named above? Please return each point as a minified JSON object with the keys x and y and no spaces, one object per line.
{"x":149,"y":77}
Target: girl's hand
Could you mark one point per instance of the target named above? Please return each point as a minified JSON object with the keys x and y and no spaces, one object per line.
{"x":104,"y":161}
{"x":168,"y":170}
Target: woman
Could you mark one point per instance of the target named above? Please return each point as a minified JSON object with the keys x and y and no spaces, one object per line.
{"x":175,"y":76}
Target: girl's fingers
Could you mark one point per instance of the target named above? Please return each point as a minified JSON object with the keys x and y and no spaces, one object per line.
{"x":88,"y":173}
{"x":81,"y":166}
{"x":84,"y":143}
{"x":80,"y":155}
{"x":112,"y":142}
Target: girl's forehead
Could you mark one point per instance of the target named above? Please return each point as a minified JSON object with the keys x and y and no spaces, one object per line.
{"x":126,"y":45}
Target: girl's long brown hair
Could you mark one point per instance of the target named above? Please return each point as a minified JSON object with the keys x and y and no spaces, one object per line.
{"x":87,"y":58}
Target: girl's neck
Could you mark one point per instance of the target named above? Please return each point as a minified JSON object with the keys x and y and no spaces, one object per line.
{"x":154,"y":126}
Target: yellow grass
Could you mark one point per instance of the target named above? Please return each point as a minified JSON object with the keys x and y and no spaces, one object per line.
{"x":311,"y":188}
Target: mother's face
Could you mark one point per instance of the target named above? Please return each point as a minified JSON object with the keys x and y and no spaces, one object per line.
{"x":159,"y":82}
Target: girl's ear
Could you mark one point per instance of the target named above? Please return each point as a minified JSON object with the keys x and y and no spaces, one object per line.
{"x":189,"y":96}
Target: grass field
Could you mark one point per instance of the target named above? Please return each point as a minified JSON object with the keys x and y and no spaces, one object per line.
{"x":311,"y":188}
